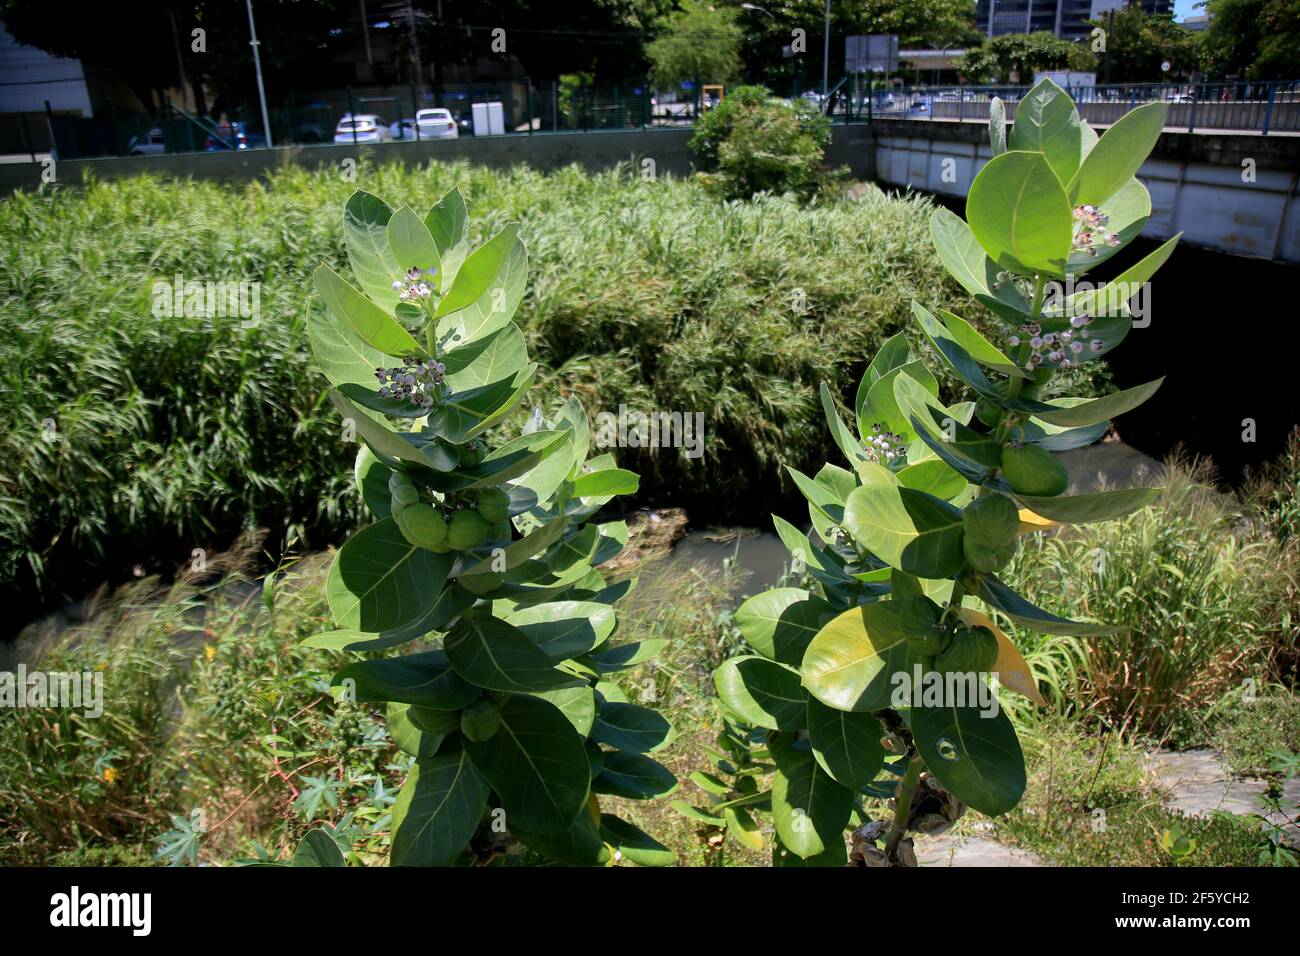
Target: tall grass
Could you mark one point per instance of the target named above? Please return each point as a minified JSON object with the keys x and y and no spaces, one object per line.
{"x":128,"y":439}
{"x":1195,"y":594}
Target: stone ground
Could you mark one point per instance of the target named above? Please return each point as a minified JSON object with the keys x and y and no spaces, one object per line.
{"x":1194,"y":781}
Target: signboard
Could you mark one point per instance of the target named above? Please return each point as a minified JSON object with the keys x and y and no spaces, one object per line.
{"x":874,"y":53}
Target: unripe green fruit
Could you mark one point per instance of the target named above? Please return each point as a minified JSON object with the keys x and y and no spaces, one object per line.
{"x":1030,"y":470}
{"x":423,"y":526}
{"x":493,"y":505}
{"x":992,"y":521}
{"x":434,"y":721}
{"x":919,"y":619}
{"x":989,"y":413}
{"x":466,"y":530}
{"x":971,"y":649}
{"x":472,"y":454}
{"x":479,"y":721}
{"x":985,"y":557}
{"x":403,"y":489}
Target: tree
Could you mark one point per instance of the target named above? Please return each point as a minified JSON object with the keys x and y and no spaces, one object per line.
{"x":698,"y":43}
{"x":1252,"y":39}
{"x":1023,"y":54}
{"x":1138,"y":43}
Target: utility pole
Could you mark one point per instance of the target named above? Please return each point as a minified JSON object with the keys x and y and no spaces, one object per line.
{"x":826,"y":54}
{"x":365,"y":35}
{"x":180,"y":61}
{"x":415,"y":43}
{"x":257,"y":65}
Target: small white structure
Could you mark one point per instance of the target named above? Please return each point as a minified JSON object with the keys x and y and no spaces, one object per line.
{"x":489,"y":119}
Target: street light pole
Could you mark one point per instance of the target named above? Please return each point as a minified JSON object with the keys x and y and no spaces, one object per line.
{"x":826,"y":53}
{"x":257,"y":65}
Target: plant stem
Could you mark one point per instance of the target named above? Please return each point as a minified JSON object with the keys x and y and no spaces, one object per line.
{"x":903,"y":803}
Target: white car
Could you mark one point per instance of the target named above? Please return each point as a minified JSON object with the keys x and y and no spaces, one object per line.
{"x":436,"y":124}
{"x":150,"y":143}
{"x":362,"y":128}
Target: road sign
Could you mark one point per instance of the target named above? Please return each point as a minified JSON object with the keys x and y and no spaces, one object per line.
{"x":873,"y":53}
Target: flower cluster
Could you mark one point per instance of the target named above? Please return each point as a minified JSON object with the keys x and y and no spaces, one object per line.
{"x":415,"y":380}
{"x":415,"y":286}
{"x":1091,"y":233}
{"x":884,"y":446}
{"x":1062,"y":348}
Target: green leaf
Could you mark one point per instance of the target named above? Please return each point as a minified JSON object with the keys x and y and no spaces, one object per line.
{"x":437,"y":810}
{"x":974,"y":755}
{"x":448,"y":223}
{"x":580,"y":845}
{"x":978,"y":347}
{"x":631,"y":728}
{"x":424,"y":679}
{"x":1127,"y":211}
{"x":1113,"y":296}
{"x":1099,"y":506}
{"x":969,"y":264}
{"x":809,"y":808}
{"x":365,"y":233}
{"x":996,"y":594}
{"x":565,"y":629}
{"x":411,"y":242}
{"x":372,"y":476}
{"x":934,"y":477}
{"x":493,"y":654}
{"x":628,"y":655}
{"x":366,"y":319}
{"x":578,"y":704}
{"x":536,"y":763}
{"x":318,"y":848}
{"x":633,"y":777}
{"x":379,"y":581}
{"x":997,"y":127}
{"x":908,"y":529}
{"x":1020,"y":214}
{"x":743,"y":827}
{"x":340,"y":353}
{"x":1118,"y":155}
{"x":493,"y":309}
{"x":850,"y":663}
{"x":781,"y":623}
{"x":881,"y":407}
{"x":894,"y":353}
{"x":607,"y":482}
{"x":480,"y":272}
{"x":486,"y":360}
{"x":762,"y":692}
{"x":840,"y":432}
{"x":1048,"y":123}
{"x":634,"y":843}
{"x":845,"y":743}
{"x":1100,"y":409}
{"x":410,"y":738}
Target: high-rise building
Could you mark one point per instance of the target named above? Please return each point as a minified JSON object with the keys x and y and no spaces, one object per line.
{"x":1068,"y":19}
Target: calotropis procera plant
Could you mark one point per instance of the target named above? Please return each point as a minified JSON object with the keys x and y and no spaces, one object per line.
{"x":483,"y":554}
{"x":873,"y":679}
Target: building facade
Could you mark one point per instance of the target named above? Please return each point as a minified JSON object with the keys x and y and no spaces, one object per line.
{"x":1067,"y":19}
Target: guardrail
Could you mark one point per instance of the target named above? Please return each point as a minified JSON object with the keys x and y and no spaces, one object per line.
{"x":1261,"y":107}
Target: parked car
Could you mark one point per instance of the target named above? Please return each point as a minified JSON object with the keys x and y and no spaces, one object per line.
{"x":436,"y":124}
{"x":147,"y":144}
{"x":233,"y":136}
{"x":402,"y":129}
{"x":362,"y":128}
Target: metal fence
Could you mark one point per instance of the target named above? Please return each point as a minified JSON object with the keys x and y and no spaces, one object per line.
{"x":1263,"y":107}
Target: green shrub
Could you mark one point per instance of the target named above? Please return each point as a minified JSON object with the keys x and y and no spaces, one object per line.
{"x":1195,"y":602}
{"x":752,"y":142}
{"x":128,"y":439}
{"x":1251,"y":734}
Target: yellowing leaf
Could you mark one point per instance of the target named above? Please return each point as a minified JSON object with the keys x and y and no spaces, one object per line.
{"x":1012,"y":670}
{"x":1030,"y":522}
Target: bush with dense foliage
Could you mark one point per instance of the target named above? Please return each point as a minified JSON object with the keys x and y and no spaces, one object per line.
{"x":133,"y":439}
{"x":753,"y":142}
